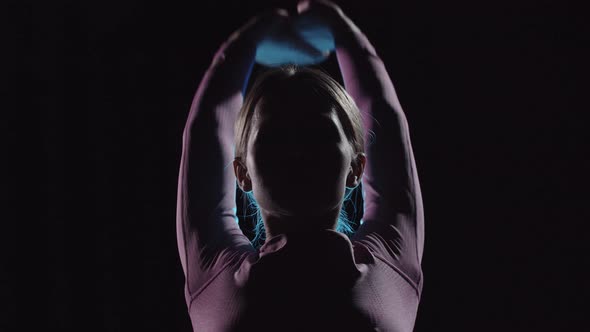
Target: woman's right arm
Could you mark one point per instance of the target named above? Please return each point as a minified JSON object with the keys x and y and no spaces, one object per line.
{"x":209,"y":237}
{"x":393,"y":217}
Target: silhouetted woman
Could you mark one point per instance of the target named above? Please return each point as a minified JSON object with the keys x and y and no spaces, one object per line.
{"x":297,"y":143}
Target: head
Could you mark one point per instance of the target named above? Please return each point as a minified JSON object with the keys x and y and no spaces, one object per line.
{"x":299,"y":145}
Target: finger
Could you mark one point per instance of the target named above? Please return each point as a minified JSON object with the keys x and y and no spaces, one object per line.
{"x":316,"y":8}
{"x":328,"y":12}
{"x":270,"y":18}
{"x":303,"y":6}
{"x":261,"y":25}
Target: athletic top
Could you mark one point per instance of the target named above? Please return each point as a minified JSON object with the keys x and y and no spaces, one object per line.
{"x":317,"y":280}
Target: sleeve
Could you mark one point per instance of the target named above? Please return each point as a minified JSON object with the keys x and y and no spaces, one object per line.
{"x":208,"y":234}
{"x":393,"y":221}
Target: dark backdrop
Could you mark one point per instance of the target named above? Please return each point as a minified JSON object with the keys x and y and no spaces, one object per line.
{"x":494,"y":95}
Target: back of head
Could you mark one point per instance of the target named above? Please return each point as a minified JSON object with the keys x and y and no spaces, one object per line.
{"x":295,"y":97}
{"x":292,"y":83}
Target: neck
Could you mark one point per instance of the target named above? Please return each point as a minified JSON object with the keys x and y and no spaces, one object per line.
{"x":276,"y":224}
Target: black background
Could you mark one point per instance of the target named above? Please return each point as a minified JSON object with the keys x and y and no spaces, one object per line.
{"x":493,"y":92}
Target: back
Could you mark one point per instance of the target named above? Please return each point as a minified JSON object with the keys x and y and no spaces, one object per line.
{"x":307,"y":281}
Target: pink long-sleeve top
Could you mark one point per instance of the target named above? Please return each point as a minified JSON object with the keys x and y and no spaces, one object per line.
{"x":320,"y":280}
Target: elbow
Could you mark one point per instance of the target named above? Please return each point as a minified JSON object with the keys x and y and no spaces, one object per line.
{"x":389,"y":115}
{"x":389,"y":105}
{"x":186,"y":133}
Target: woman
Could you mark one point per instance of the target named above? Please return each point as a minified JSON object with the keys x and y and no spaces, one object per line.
{"x":300,"y":141}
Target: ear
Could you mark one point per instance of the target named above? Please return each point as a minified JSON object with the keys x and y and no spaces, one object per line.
{"x":357,"y":168}
{"x":242,"y":176}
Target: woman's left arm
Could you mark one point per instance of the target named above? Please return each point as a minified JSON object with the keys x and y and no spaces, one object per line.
{"x":208,"y":234}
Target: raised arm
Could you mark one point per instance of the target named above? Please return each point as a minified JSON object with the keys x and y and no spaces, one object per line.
{"x":393,"y":224}
{"x":209,"y":237}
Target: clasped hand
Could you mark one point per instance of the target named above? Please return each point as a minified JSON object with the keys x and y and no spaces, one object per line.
{"x":306,"y":37}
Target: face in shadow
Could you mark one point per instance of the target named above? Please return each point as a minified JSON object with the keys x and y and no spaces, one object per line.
{"x":299,"y":158}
